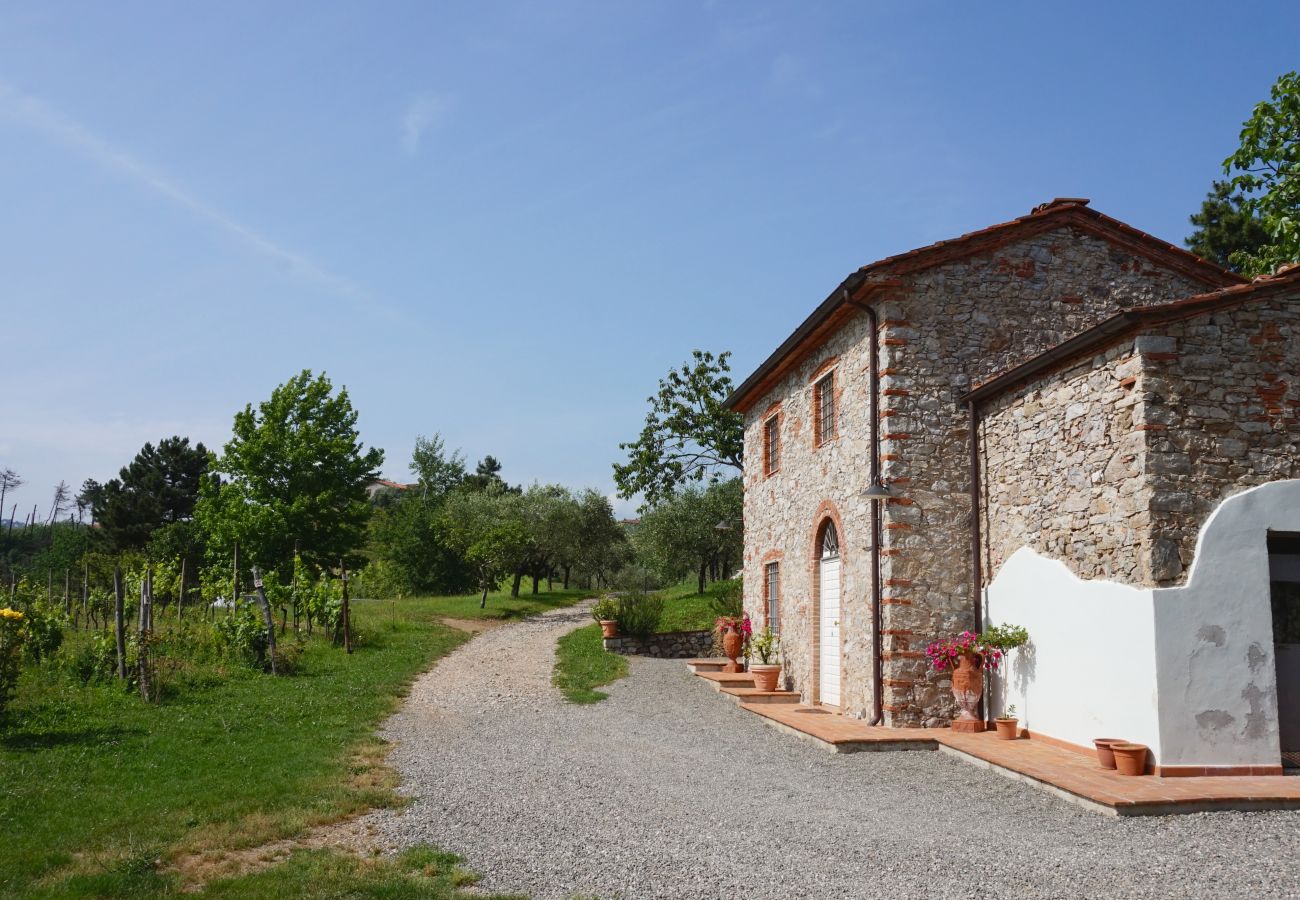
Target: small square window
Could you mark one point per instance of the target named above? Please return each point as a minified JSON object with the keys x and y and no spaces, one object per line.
{"x":824,"y":409}
{"x":771,"y":445}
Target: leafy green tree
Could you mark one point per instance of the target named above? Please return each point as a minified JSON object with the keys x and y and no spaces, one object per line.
{"x":294,"y":471}
{"x":160,"y":486}
{"x":435,"y":469}
{"x":1224,"y":227}
{"x":1268,"y":175}
{"x":682,"y":535}
{"x":689,"y":435}
{"x":489,"y":529}
{"x":601,"y":547}
{"x":487,"y":474}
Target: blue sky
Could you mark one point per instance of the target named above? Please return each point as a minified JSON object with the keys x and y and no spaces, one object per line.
{"x":504,"y":222}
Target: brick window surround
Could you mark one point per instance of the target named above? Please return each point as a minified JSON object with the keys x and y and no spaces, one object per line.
{"x":824,"y":418}
{"x":772,"y":444}
{"x":772,"y":596}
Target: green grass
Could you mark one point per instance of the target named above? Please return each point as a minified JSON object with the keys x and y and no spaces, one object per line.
{"x":501,"y":606}
{"x":687,"y":610}
{"x":419,"y":872}
{"x":582,"y":664}
{"x":96,"y":786}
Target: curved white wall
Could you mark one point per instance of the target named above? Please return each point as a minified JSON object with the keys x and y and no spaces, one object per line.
{"x":1089,"y":670}
{"x":1188,"y":671}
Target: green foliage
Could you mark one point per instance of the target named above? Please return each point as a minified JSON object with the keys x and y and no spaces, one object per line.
{"x":638,"y":614}
{"x":1004,"y":637}
{"x":44,"y":631}
{"x":689,"y":433}
{"x":241,"y":635}
{"x":1268,"y":176}
{"x":1225,"y":227}
{"x":92,"y":659}
{"x":728,"y":600}
{"x":159,"y":487}
{"x":582,"y":664}
{"x":12,"y":638}
{"x":766,"y":646}
{"x":417,"y":873}
{"x":437,"y":471}
{"x":605,"y":609}
{"x":680,"y":536}
{"x":295,"y":470}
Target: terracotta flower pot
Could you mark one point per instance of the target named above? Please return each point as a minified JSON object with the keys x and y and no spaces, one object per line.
{"x":1130,"y":759}
{"x":967,"y":686}
{"x":1104,"y":756}
{"x":608,"y":628}
{"x":732,"y":645}
{"x":1008,"y":729}
{"x":765,"y":676}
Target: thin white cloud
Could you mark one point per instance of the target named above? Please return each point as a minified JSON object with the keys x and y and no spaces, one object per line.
{"x":37,"y":115}
{"x":423,"y":113}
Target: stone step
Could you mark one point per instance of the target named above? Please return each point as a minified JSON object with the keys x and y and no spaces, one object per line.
{"x":721,"y":680}
{"x":754,"y":695}
{"x":705,"y":665}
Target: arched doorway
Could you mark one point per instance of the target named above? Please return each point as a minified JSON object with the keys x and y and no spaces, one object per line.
{"x":828,"y":607}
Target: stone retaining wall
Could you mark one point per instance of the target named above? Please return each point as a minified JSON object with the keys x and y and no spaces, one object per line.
{"x":670,"y":645}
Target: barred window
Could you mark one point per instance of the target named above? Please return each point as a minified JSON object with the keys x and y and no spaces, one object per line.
{"x":773,"y":596}
{"x":824,"y":407}
{"x":771,"y":445}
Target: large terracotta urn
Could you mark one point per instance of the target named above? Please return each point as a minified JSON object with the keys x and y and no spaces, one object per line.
{"x":733,"y":644}
{"x":967,"y":686}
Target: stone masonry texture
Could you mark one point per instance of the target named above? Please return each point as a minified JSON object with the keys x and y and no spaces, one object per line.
{"x":943,"y":329}
{"x":1113,"y":465}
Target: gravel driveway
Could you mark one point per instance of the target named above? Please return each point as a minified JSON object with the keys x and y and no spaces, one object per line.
{"x":667,"y":790}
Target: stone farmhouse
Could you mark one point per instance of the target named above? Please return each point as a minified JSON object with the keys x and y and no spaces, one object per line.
{"x":1060,"y":422}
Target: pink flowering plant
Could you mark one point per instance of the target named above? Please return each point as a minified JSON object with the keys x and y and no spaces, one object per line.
{"x":740,"y":624}
{"x":944,"y":654}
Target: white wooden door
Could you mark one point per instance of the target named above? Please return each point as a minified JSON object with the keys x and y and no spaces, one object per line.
{"x":830,"y":630}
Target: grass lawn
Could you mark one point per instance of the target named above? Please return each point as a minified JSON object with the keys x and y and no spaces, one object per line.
{"x":96,"y":785}
{"x":582,"y":664}
{"x":687,"y":610}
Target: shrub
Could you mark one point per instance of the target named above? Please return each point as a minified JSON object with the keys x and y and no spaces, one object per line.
{"x":639,"y":614}
{"x":242,"y":635}
{"x":728,"y":602}
{"x":94,"y":659}
{"x":44,"y":632}
{"x":12,"y":636}
{"x":605,"y":609}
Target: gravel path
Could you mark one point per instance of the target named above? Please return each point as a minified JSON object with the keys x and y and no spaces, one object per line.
{"x":667,"y":790}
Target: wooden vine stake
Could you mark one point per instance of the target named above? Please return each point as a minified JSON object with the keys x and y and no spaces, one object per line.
{"x":347,"y":613}
{"x":119,"y":603}
{"x":267,"y":617}
{"x":145,"y":631}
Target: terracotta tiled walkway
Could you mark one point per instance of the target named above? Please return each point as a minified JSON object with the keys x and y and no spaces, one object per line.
{"x":1072,"y":775}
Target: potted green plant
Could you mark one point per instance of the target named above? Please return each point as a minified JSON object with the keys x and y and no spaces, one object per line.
{"x":765,"y":646}
{"x":1008,"y":725}
{"x":604,"y":612}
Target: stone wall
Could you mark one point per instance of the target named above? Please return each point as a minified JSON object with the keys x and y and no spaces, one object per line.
{"x":943,"y":329}
{"x":1064,"y":470}
{"x":1114,"y":465}
{"x":669,"y":645}
{"x":1222,"y":396}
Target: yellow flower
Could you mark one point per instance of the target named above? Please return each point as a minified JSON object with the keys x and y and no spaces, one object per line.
{"x":10,"y":613}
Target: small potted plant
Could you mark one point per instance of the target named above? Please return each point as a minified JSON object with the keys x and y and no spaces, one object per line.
{"x":735,"y":631}
{"x":766,"y":646}
{"x":604,"y":612}
{"x":1008,"y":724}
{"x":966,"y":657}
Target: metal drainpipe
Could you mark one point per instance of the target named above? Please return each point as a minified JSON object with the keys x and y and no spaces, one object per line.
{"x":877,"y":517}
{"x":977,"y":569}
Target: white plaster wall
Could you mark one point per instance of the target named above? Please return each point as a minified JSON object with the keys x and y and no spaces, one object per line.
{"x":1214,"y":637}
{"x":1089,"y":669}
{"x":1189,"y":671}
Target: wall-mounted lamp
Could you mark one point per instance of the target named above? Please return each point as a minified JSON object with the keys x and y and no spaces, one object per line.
{"x":878,"y":491}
